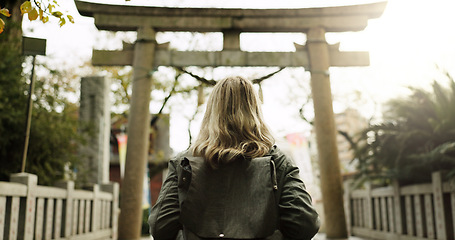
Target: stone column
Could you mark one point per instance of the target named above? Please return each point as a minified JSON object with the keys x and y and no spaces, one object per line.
{"x":95,"y":116}
{"x":231,"y":40}
{"x":138,"y":131}
{"x":330,"y":176}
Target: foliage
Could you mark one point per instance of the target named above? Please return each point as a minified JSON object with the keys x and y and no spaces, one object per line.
{"x":4,"y":12}
{"x":122,"y":87}
{"x":12,"y":108}
{"x":145,"y":228}
{"x":53,"y":143}
{"x":38,"y":10}
{"x":164,"y":87}
{"x":53,"y":136}
{"x":416,"y":138}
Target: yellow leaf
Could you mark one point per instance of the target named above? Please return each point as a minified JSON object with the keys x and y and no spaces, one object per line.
{"x":5,"y":12}
{"x":41,"y":14}
{"x":26,"y":7}
{"x":62,"y":22}
{"x":70,"y":18}
{"x":2,"y":25}
{"x":51,"y":7}
{"x":57,"y":14}
{"x":45,"y":19}
{"x":33,"y":14}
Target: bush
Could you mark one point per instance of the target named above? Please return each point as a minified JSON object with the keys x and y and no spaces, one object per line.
{"x":416,"y":138}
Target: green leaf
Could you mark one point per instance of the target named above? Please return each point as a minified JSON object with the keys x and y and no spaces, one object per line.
{"x":57,"y":14}
{"x":70,"y":18}
{"x":62,"y":21}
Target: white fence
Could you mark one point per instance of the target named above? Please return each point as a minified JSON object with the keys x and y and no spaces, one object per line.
{"x":29,"y":211}
{"x":417,"y":212}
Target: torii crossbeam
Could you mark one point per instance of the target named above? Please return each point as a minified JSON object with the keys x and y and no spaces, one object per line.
{"x":316,"y":56}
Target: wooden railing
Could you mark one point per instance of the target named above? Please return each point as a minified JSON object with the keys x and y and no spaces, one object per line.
{"x":30,"y":211}
{"x":417,"y":212}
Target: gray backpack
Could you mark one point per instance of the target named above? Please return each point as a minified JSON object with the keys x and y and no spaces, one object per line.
{"x":237,"y":201}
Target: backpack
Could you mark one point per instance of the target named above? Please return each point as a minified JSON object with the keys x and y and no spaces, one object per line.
{"x":237,"y":201}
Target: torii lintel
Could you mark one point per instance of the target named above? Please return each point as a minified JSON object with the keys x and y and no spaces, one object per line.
{"x":232,"y":58}
{"x":332,"y":19}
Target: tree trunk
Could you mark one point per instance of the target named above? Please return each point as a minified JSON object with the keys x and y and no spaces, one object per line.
{"x":12,"y":34}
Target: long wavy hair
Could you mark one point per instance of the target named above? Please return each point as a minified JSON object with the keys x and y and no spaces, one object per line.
{"x":233,"y":125}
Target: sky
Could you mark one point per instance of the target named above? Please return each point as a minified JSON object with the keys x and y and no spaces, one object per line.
{"x":406,"y":44}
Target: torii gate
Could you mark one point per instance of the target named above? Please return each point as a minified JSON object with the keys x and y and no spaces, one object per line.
{"x":316,"y":56}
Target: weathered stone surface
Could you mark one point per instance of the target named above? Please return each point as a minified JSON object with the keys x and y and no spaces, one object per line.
{"x":333,"y":19}
{"x":230,"y":58}
{"x":94,"y":111}
{"x":372,"y":10}
{"x":324,"y":124}
{"x":138,"y":136}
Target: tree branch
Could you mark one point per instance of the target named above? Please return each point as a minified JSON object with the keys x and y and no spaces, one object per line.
{"x":156,"y":117}
{"x":258,"y":80}
{"x":189,"y":125}
{"x":212,"y":82}
{"x":200,"y":79}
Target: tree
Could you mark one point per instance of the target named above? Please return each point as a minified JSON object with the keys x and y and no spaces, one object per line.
{"x":12,"y":108}
{"x":53,"y":138}
{"x":416,"y":137}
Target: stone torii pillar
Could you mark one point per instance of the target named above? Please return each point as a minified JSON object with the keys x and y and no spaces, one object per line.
{"x":138,"y":135}
{"x":324,"y":124}
{"x":317,"y":56}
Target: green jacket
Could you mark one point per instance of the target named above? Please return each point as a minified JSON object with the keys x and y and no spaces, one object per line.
{"x":262,"y":198}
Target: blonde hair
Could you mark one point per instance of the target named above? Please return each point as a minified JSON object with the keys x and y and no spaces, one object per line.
{"x":233,"y":124}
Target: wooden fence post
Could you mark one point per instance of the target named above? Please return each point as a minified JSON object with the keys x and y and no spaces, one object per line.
{"x":452,"y":201}
{"x":392,"y":227}
{"x":113,"y":188}
{"x":39,"y":218}
{"x":2,"y":214}
{"x":11,"y":217}
{"x":347,"y":204}
{"x":397,"y":208}
{"x":49,"y":218}
{"x":96,"y":208}
{"x":369,"y":207}
{"x":68,"y":207}
{"x":441,"y":223}
{"x":408,"y":209}
{"x":58,"y":221}
{"x":419,"y":216}
{"x":26,"y":212}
